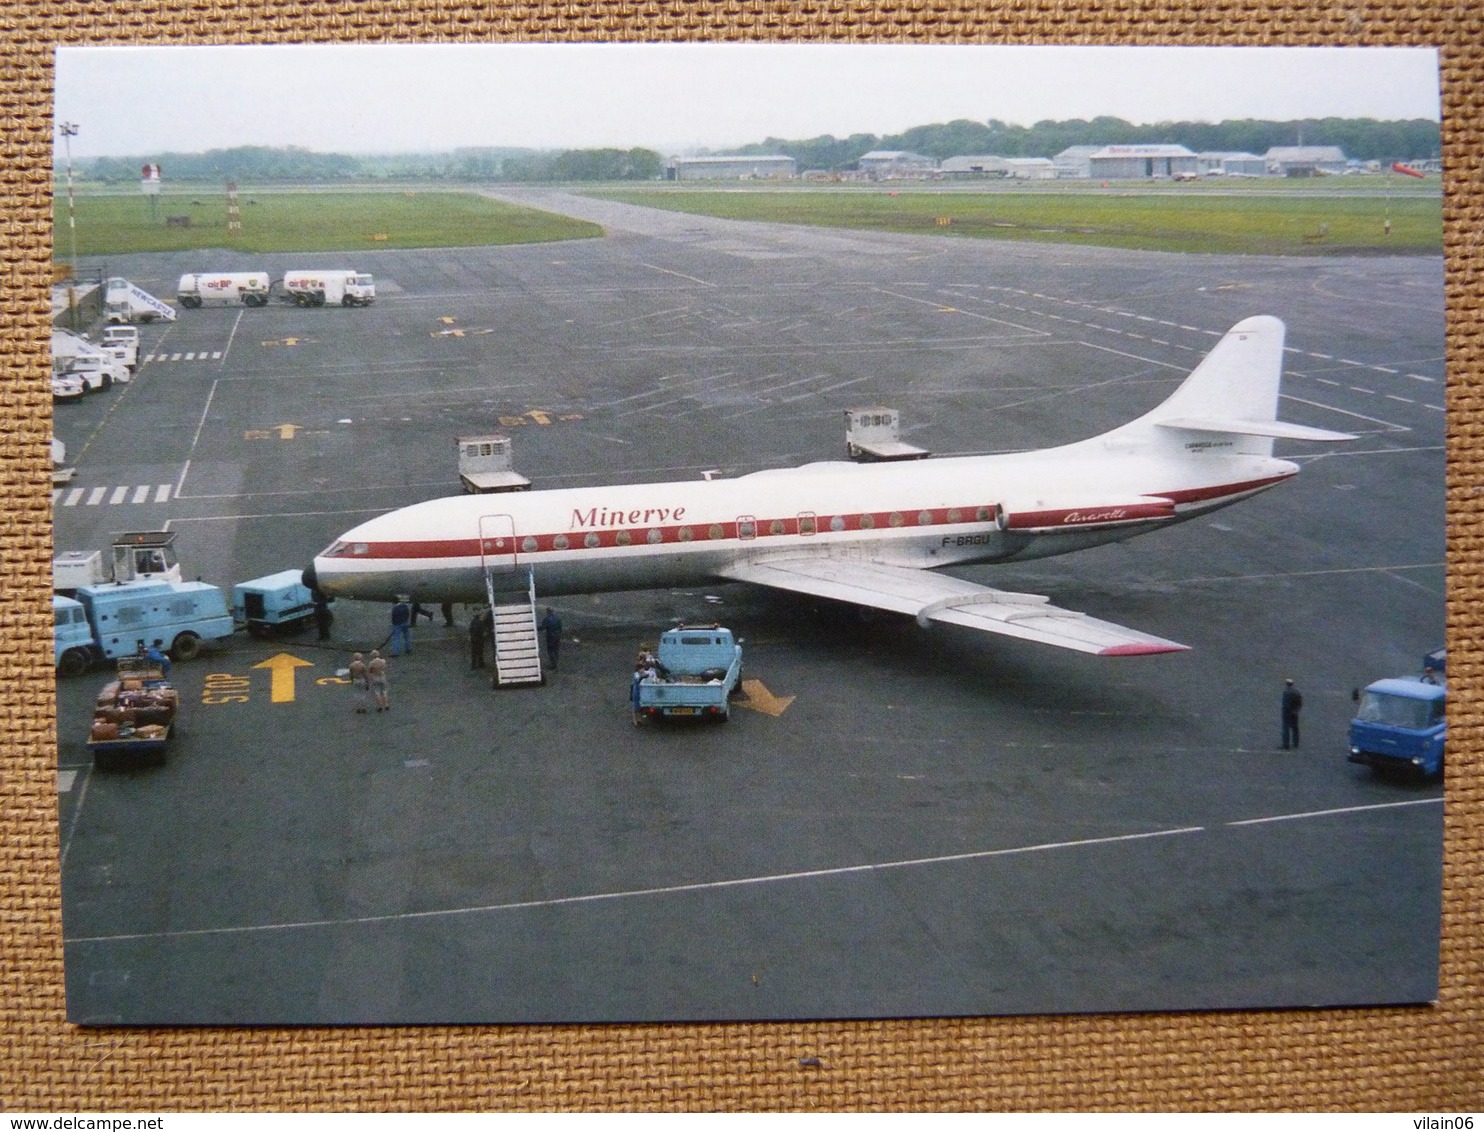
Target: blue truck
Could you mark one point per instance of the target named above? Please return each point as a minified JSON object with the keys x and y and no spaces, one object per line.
{"x":698,"y":668}
{"x":115,"y":618}
{"x":1401,"y":724}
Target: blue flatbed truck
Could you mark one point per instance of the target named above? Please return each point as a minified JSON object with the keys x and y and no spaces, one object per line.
{"x":1401,"y":722}
{"x":699,"y":669}
{"x":113,"y":619}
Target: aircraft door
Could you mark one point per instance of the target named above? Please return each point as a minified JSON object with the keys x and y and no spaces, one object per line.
{"x":497,"y":543}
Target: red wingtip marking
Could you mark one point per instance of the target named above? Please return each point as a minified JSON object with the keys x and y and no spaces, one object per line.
{"x":1142,"y":650}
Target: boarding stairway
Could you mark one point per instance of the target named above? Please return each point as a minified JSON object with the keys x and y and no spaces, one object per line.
{"x":125,"y":302}
{"x":517,"y":643}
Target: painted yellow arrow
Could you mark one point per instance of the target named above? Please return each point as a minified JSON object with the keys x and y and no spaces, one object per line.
{"x":282,"y":667}
{"x":760,"y":699}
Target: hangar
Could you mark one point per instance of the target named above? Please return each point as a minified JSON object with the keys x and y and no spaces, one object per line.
{"x":1231,"y":164}
{"x":732,"y":168}
{"x":1133,"y":162}
{"x":885,"y":164}
{"x":1305,"y":160}
{"x":975,"y":166}
{"x":1075,"y":160}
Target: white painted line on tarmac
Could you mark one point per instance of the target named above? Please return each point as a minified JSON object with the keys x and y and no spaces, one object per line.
{"x":681,"y":274}
{"x":1344,"y":810}
{"x":1311,"y":573}
{"x":1390,"y":425}
{"x":82,"y":797}
{"x":201,"y":424}
{"x":667,"y":890}
{"x":118,"y":496}
{"x":233,"y":336}
{"x":741,"y":882}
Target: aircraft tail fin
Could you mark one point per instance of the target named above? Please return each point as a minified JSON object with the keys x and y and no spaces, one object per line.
{"x":1234,"y":392}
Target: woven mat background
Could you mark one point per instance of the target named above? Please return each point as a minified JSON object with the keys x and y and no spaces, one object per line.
{"x":1425,"y":1059}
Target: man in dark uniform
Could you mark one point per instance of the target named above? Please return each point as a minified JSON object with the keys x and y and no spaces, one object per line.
{"x":323,"y":617}
{"x":401,"y":625}
{"x":1292,"y":703}
{"x":481,"y":628}
{"x":551,"y":625}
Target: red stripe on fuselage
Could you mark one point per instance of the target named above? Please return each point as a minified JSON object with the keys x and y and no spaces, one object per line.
{"x":758,"y":530}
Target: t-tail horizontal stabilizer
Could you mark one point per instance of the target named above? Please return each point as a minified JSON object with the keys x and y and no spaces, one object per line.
{"x":1280,"y":430}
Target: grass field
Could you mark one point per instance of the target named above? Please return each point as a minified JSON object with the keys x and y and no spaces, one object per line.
{"x":306,"y":222}
{"x":1254,"y":218}
{"x":1268,"y":217}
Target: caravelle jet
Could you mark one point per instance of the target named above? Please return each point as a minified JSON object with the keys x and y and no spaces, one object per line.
{"x":870,"y":534}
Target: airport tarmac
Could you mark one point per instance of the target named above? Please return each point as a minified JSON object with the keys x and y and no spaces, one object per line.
{"x":898,"y":821}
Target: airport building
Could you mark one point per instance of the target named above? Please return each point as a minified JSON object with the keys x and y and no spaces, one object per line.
{"x":891,"y":164}
{"x":1031,"y":168}
{"x":1075,"y":161}
{"x":1018,"y":168}
{"x":1227,"y":164}
{"x":1305,"y":160}
{"x":732,"y":168}
{"x":969,"y":167}
{"x":1136,"y":162}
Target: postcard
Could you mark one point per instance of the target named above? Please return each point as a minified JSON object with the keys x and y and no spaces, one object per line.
{"x":606,"y":533}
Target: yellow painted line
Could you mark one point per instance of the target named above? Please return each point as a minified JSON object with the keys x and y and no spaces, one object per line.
{"x":760,"y":699}
{"x":282,"y":668}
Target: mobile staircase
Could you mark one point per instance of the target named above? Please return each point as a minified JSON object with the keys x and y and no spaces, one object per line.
{"x":517,"y":645}
{"x":124,"y":301}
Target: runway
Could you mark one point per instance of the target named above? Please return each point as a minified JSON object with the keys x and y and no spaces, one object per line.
{"x":934,"y":823}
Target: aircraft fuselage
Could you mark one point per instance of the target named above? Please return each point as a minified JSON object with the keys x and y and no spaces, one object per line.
{"x":923,"y":514}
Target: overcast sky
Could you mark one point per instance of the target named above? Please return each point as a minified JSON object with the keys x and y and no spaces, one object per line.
{"x":133,"y":101}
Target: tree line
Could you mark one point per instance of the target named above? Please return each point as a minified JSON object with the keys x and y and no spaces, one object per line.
{"x":1363,"y":139}
{"x":256,"y":165}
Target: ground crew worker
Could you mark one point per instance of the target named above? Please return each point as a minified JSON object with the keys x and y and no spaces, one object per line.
{"x":481,"y":629}
{"x":401,"y":626}
{"x":1292,"y":704}
{"x":323,"y":618}
{"x":376,"y":680}
{"x":551,"y":625}
{"x":359,"y":686}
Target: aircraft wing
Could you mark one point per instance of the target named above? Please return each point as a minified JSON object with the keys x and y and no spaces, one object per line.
{"x":941,"y":597}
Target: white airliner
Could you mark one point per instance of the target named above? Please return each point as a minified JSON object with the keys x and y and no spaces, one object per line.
{"x":871,"y":534}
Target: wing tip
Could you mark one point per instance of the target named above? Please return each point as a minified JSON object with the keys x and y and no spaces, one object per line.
{"x":1145,"y":649}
